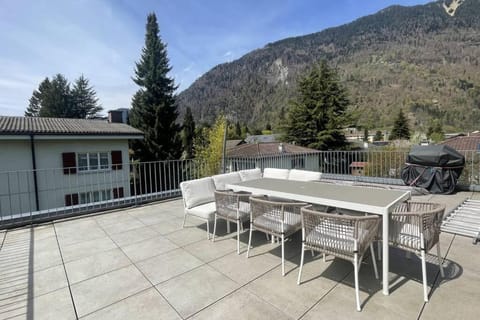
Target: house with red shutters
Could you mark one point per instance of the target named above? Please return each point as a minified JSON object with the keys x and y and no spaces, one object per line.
{"x":57,"y":162}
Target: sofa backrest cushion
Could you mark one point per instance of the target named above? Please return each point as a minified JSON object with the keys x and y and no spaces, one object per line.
{"x":197,"y":192}
{"x":304,"y":175}
{"x":275,"y":173}
{"x":221,"y":180}
{"x":251,"y":174}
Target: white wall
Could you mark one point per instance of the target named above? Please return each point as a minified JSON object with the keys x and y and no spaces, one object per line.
{"x":53,"y":184}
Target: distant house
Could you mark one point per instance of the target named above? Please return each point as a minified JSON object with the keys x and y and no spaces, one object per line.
{"x":272,"y":154}
{"x":52,"y":162}
{"x":357,"y":168}
{"x":233,"y":143}
{"x":262,"y":138}
{"x":463,"y":143}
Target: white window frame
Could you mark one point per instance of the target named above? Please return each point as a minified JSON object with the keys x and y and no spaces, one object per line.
{"x":88,"y":167}
{"x":88,"y":197}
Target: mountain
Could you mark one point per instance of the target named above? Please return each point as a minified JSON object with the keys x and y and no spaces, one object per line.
{"x":424,"y":59}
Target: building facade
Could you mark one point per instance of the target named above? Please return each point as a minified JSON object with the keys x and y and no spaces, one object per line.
{"x":50,"y":163}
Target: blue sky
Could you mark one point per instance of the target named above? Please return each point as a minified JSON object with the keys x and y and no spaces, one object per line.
{"x":102,"y":39}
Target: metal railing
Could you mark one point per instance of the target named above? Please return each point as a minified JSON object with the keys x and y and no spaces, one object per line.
{"x":45,"y":194}
{"x":378,"y":164}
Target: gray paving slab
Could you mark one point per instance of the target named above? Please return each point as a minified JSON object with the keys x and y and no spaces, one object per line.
{"x":99,"y":292}
{"x":146,"y":305}
{"x":241,"y":304}
{"x":129,"y":237}
{"x":113,"y":218}
{"x":168,"y":226}
{"x":168,"y":265}
{"x":195,"y":290}
{"x":53,"y":305}
{"x":95,"y":265}
{"x":187,"y":235}
{"x":243,"y":270}
{"x":206,"y":250}
{"x":148,"y":248}
{"x":123,"y":226}
{"x":151,"y":217}
{"x":87,"y":248}
{"x":29,"y":285}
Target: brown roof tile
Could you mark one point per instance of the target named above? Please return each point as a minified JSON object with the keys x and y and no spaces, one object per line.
{"x":463,"y":143}
{"x":269,"y":148}
{"x":62,"y":126}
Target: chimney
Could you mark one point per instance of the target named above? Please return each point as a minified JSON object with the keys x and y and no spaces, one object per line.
{"x":281,"y":148}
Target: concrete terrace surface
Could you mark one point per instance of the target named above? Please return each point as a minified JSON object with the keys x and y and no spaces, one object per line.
{"x":138,"y":263}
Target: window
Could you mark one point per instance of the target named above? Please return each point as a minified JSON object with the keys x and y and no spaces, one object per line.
{"x":95,"y":196}
{"x":92,"y":161}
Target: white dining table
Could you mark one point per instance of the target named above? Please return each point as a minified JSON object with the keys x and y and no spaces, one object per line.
{"x":364,"y":199}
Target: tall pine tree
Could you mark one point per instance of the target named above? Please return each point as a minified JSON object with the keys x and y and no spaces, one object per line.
{"x":316,"y":118}
{"x":188,"y":134}
{"x":400,"y":129}
{"x":153,"y":105}
{"x":84,"y":99}
{"x":56,"y":101}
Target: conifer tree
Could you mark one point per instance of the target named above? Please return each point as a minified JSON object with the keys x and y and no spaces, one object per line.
{"x":315,"y":119}
{"x":55,"y":98}
{"x":35,"y":102}
{"x":400,"y":129}
{"x":378,"y":136}
{"x":84,"y":100}
{"x":188,"y":134}
{"x":153,"y":106}
{"x":238,"y":130}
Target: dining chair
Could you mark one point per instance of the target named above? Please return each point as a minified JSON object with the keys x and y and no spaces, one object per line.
{"x":415,"y":227}
{"x":232,"y":207}
{"x":343,"y":236}
{"x":276,"y":218}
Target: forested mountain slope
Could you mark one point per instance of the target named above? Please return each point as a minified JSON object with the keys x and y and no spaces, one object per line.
{"x":419,"y":58}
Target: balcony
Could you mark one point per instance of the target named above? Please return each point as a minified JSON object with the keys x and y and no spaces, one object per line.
{"x":139,"y":263}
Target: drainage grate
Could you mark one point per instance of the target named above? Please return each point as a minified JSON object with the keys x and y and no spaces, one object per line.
{"x":464,"y":220}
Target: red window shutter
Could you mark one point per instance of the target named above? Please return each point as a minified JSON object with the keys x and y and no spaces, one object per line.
{"x":117,"y":160}
{"x":117,"y":193}
{"x":69,"y":163}
{"x":68,"y":200}
{"x":71,"y":199}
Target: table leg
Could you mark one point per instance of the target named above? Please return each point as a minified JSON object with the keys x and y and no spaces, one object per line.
{"x":385,"y":261}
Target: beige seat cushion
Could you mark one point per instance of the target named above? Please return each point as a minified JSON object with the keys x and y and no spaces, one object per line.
{"x":251,"y":174}
{"x":204,"y":211}
{"x":221,"y":180}
{"x":275,"y":173}
{"x":197,"y":192}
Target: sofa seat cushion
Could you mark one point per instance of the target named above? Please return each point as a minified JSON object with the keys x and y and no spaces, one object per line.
{"x":221,"y":180}
{"x":304,"y":175}
{"x":251,"y":174}
{"x":197,"y":192}
{"x":275,"y":173}
{"x":204,"y":211}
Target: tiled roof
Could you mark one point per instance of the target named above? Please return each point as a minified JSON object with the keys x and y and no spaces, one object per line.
{"x":357,"y":164}
{"x":463,"y":143}
{"x":62,"y":126}
{"x":262,"y":149}
{"x":233,"y":143}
